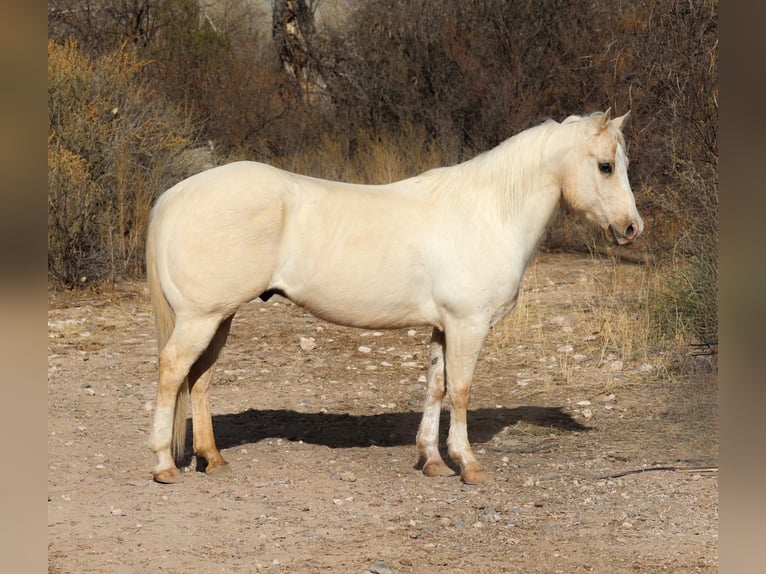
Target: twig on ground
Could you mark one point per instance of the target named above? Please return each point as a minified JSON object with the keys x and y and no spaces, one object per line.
{"x":695,"y":469}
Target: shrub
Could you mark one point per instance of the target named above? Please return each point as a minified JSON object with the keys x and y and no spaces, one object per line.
{"x":112,"y":147}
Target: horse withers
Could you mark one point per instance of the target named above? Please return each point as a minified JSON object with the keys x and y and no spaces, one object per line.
{"x":445,"y":249}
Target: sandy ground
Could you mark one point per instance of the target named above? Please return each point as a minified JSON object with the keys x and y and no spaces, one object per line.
{"x":321,"y":445}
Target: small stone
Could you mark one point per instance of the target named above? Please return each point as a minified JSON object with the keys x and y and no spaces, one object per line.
{"x":412,"y":333}
{"x":565,"y":349}
{"x":364,"y":349}
{"x":616,"y":366}
{"x":378,"y":567}
{"x":347,"y":476}
{"x":583,"y":403}
{"x":308,"y":343}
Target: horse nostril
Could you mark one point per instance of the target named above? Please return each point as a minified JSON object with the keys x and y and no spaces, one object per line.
{"x":630,"y":232}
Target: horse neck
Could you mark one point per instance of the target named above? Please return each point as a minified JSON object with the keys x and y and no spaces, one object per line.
{"x":516,"y":185}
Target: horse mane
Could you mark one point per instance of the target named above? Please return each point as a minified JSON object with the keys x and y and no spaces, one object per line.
{"x":501,"y":176}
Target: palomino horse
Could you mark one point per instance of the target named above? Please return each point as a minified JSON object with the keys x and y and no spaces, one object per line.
{"x":445,"y":249}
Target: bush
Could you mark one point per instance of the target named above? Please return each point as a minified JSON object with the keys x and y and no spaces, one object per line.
{"x":113,"y":146}
{"x":410,"y":85}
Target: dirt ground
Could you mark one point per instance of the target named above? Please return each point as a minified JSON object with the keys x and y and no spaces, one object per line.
{"x":320,"y":438}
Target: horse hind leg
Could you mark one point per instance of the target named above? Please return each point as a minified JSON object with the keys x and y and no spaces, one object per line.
{"x":428,"y":432}
{"x":200,"y":377}
{"x":188,"y":341}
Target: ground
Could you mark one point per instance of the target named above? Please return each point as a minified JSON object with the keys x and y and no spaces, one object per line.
{"x":598,"y":463}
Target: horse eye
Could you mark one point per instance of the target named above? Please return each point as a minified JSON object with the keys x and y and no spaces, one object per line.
{"x":605,"y":167}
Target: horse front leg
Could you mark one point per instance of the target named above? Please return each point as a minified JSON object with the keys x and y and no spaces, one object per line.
{"x":428,"y":432}
{"x":464,"y":344}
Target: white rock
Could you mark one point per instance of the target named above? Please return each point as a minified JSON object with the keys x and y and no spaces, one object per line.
{"x":412,"y":333}
{"x":308,"y":343}
{"x":565,"y":349}
{"x":364,"y":349}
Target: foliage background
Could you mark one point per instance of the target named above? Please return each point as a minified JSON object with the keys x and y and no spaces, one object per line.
{"x":144,"y":92}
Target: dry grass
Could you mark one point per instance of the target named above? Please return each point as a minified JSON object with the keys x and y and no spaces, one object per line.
{"x":113,"y":146}
{"x":596,"y":313}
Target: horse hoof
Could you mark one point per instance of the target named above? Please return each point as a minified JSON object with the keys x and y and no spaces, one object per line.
{"x":437,"y":468}
{"x":167,"y":476}
{"x":218,"y":470}
{"x":474,"y":476}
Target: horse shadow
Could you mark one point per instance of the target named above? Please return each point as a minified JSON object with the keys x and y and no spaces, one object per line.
{"x":340,"y":430}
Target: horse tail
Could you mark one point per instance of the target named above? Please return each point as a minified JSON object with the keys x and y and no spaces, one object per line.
{"x":165,"y":320}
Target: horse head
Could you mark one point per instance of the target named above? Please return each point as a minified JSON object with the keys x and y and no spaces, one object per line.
{"x":595,"y":177}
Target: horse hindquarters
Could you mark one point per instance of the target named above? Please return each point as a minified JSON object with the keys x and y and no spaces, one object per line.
{"x":200,"y":270}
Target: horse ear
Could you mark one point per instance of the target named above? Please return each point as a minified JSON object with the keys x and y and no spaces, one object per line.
{"x":602,"y":120}
{"x":621,"y":121}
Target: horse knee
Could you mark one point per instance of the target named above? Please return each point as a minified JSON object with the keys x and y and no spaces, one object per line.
{"x":459,"y":396}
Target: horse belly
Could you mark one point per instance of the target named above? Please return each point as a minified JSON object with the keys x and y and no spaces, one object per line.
{"x":362,"y":311}
{"x":362,"y":292}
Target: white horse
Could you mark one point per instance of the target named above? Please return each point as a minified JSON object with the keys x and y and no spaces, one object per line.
{"x":445,"y":249}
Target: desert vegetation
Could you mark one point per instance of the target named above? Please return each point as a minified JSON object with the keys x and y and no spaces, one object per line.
{"x":142,"y":93}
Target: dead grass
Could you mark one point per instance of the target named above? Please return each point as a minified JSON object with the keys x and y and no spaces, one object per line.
{"x":606,"y":320}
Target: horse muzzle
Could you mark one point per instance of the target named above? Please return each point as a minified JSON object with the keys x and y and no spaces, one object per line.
{"x":628,"y":233}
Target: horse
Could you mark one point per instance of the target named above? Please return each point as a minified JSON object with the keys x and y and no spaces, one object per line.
{"x":445,"y":249}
